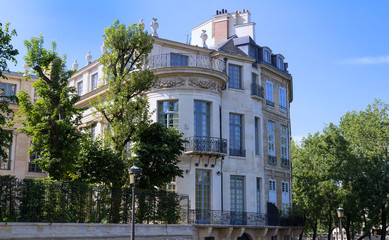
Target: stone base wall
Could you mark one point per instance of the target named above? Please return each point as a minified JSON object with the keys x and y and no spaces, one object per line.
{"x":95,"y":231}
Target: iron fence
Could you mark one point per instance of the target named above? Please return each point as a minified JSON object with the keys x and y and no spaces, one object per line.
{"x":211,"y":145}
{"x":47,"y":201}
{"x":285,"y":162}
{"x":272,"y":159}
{"x":187,"y":60}
{"x":257,"y":90}
{"x":237,"y":152}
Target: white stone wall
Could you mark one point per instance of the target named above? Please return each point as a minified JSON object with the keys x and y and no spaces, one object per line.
{"x":95,"y":231}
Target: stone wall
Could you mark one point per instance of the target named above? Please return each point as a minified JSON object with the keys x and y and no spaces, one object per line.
{"x":95,"y":231}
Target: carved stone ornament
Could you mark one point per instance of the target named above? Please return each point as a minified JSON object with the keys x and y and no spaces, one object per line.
{"x":154,"y":26}
{"x":169,"y":83}
{"x":204,"y":84}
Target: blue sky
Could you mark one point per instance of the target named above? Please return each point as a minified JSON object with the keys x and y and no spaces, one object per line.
{"x":338,"y":51}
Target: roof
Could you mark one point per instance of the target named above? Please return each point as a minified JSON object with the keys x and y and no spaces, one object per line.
{"x":228,"y":46}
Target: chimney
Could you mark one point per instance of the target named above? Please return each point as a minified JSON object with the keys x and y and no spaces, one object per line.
{"x":221,"y":25}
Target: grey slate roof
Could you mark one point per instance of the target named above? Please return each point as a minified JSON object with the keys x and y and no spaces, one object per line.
{"x":228,"y":46}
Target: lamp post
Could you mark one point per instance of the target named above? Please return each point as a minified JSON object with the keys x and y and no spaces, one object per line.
{"x":340,"y":213}
{"x":133,"y":171}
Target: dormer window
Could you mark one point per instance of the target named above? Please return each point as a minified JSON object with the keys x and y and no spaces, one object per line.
{"x":280,"y":63}
{"x":266,"y":56}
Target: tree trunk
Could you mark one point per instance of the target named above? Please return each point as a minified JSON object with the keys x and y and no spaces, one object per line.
{"x":383,"y":222}
{"x":348,"y":225}
{"x":315,"y":229}
{"x":329,"y":227}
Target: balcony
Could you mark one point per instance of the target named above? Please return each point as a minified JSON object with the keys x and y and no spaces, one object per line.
{"x":231,"y":218}
{"x":272,"y":159}
{"x":285,"y":162}
{"x":186,"y":60}
{"x":206,"y":146}
{"x":237,"y":152}
{"x":270,"y":103}
{"x":257,"y":91}
{"x":282,"y":108}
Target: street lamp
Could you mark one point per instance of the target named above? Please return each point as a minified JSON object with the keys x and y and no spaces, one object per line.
{"x":340,"y":213}
{"x":133,"y":171}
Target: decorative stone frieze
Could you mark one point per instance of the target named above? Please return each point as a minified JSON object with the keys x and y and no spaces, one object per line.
{"x":169,"y":83}
{"x":191,"y":82}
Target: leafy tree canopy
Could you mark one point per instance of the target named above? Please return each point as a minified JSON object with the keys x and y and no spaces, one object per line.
{"x":53,"y":119}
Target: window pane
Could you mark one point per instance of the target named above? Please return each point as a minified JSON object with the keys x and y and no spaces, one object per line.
{"x":234,"y":72}
{"x":168,"y":113}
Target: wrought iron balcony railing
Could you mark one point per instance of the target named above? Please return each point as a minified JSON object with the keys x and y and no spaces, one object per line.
{"x":206,"y":145}
{"x":214,"y":217}
{"x":257,"y":90}
{"x":283,"y":108}
{"x":285,"y":162}
{"x":186,"y":60}
{"x":270,"y":103}
{"x":272,"y":159}
{"x":237,"y":152}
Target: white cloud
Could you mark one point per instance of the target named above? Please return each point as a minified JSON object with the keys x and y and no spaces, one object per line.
{"x":366,"y":60}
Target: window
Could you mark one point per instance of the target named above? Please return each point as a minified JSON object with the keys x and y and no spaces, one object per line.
{"x":284,"y":145}
{"x":203,"y":196}
{"x":168,"y":113}
{"x":257,"y":136}
{"x":266,"y":56}
{"x":32,"y":167}
{"x":170,"y":187}
{"x":280,"y":63}
{"x":269,"y":93}
{"x":285,"y":196}
{"x":234,"y":72}
{"x":236,"y":135}
{"x":94,"y":81}
{"x":282,"y":98}
{"x":272,"y":191}
{"x":258,"y":195}
{"x":237,"y":197}
{"x":271,"y":142}
{"x":201,"y":119}
{"x":5,"y":164}
{"x":93,"y":132}
{"x":79,"y":88}
{"x":177,"y":60}
{"x":36,"y":98}
{"x":7,"y":90}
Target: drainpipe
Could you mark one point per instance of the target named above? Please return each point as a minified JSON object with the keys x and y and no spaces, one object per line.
{"x":221,"y":168}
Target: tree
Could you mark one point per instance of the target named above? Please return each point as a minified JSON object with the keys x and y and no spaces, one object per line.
{"x":7,"y":53}
{"x":97,"y":163}
{"x":124,"y":106}
{"x":52,"y":121}
{"x":368,"y":134}
{"x":157,"y":149}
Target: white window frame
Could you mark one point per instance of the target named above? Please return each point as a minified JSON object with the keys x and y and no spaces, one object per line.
{"x":282,"y":98}
{"x":169,"y":114}
{"x":257,"y":137}
{"x":271,"y":138}
{"x":93,"y":78}
{"x":269,"y":93}
{"x":273,"y":191}
{"x":80,"y":90}
{"x":284,"y":142}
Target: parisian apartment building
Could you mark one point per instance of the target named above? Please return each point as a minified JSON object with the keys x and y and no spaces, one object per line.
{"x":230,"y":97}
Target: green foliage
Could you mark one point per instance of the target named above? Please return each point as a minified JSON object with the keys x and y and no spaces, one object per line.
{"x":99,"y":164}
{"x":156,"y":150}
{"x":345,"y":166}
{"x":123,"y":105}
{"x":52,"y":121}
{"x":7,"y":53}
